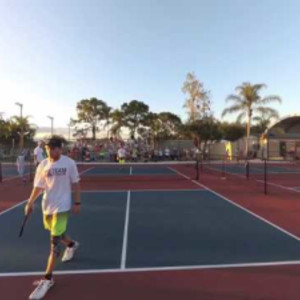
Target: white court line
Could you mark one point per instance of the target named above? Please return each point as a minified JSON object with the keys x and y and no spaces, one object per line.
{"x":245,"y":209}
{"x":159,"y":269}
{"x":11,"y":208}
{"x":91,"y":168}
{"x":125,"y":236}
{"x":279,"y":186}
{"x":14,"y":177}
{"x":142,"y":190}
{"x":177,"y":172}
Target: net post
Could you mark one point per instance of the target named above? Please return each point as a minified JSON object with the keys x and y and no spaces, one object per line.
{"x":0,"y":172}
{"x":247,"y":170}
{"x":265,"y":177}
{"x":30,"y":169}
{"x":223,"y":168}
{"x":197,"y":168}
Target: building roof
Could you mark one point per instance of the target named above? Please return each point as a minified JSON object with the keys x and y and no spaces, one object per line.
{"x":288,"y":128}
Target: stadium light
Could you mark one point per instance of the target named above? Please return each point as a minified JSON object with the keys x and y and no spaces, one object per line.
{"x":21,"y":108}
{"x":51,"y":118}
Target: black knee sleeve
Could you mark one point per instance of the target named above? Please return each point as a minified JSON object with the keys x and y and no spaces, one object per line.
{"x":55,"y":245}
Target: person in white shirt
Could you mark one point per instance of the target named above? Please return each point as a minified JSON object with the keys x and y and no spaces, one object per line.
{"x":55,"y":177}
{"x":21,"y":167}
{"x":167,"y":153}
{"x":38,"y":153}
{"x":121,"y":155}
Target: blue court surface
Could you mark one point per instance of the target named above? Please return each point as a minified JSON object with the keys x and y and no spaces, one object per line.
{"x":148,"y":229}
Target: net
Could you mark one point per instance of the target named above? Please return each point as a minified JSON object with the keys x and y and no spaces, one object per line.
{"x":137,"y":172}
{"x":283,"y":174}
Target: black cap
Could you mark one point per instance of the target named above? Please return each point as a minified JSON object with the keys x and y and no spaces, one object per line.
{"x":54,"y":142}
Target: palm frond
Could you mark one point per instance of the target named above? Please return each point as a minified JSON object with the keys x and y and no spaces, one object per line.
{"x":257,"y":87}
{"x":234,"y":98}
{"x":233,"y":109}
{"x":267,"y":112}
{"x":268,"y":99}
{"x":240,"y":117}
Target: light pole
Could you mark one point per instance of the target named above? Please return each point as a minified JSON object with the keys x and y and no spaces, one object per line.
{"x":69,"y":132}
{"x":21,"y":133}
{"x":21,"y":108}
{"x":51,"y":118}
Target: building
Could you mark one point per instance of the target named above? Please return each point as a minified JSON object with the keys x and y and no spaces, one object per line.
{"x":282,"y":140}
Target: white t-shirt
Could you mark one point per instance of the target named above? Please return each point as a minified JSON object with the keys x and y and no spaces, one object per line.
{"x":56,"y":179}
{"x":121,"y":153}
{"x":39,"y":153}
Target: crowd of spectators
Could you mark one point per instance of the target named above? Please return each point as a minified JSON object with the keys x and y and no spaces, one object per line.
{"x":136,"y":150}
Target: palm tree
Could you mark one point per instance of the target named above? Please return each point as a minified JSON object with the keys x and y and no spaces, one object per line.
{"x":247,"y":102}
{"x":21,"y":127}
{"x":265,"y":118}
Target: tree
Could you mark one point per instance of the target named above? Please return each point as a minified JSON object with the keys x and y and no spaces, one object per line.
{"x":4,"y":130}
{"x":232,"y":131}
{"x":198,"y":102}
{"x":21,"y":130}
{"x":91,"y":112}
{"x":204,"y":130}
{"x":162,"y":126}
{"x":134,"y":114}
{"x":247,"y":102}
{"x":117,"y":117}
{"x":170,"y":123}
{"x":264,"y":119}
{"x":107,"y":118}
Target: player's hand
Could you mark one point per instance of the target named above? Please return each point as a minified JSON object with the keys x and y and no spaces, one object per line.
{"x":28,"y":208}
{"x":76,"y":209}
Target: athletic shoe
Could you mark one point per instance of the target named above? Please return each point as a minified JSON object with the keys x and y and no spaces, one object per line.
{"x":69,"y":252}
{"x":42,"y":288}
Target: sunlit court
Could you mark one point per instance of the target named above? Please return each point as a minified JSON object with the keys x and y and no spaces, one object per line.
{"x":149,"y":150}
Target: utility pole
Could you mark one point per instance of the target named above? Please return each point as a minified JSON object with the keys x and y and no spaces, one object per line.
{"x":51,"y":118}
{"x":21,"y":108}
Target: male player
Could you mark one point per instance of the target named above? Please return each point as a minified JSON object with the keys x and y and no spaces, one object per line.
{"x":21,"y":167}
{"x":55,"y":177}
{"x":38,"y":153}
{"x":121,"y":155}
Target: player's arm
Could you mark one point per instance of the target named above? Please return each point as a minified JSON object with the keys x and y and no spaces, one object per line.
{"x":36,"y":191}
{"x":38,"y":187}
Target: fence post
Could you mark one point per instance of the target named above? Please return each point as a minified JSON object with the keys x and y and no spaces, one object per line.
{"x":197,"y":169}
{"x":266,"y":178}
{"x":223,"y":169}
{"x":247,"y":169}
{"x":0,"y":172}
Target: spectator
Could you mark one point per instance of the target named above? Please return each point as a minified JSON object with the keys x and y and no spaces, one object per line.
{"x":167,"y":153}
{"x":160,"y":154}
{"x":38,"y":153}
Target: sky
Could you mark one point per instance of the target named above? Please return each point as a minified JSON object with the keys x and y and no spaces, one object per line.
{"x":55,"y":53}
